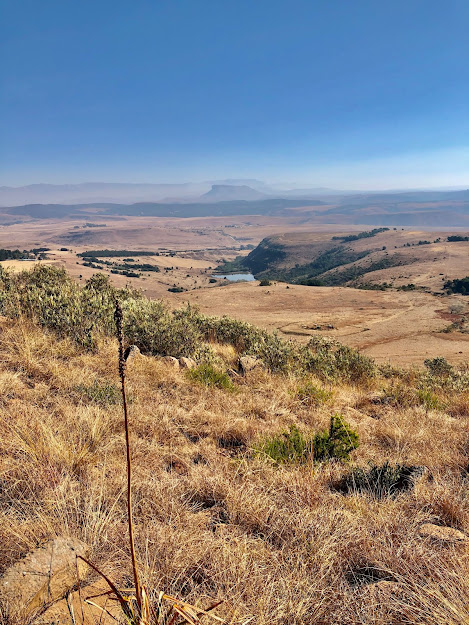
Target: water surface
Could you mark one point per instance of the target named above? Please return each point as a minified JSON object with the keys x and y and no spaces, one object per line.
{"x":235,"y":277}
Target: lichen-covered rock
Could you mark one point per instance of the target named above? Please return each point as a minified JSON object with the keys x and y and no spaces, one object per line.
{"x":131,"y":352}
{"x":187,"y":363}
{"x":442,"y":533}
{"x":44,"y":576}
{"x":248,"y":363}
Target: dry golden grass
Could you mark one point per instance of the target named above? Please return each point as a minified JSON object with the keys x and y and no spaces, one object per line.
{"x":278,"y":544}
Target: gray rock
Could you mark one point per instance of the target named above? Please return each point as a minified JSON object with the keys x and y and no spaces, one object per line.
{"x":44,"y":576}
{"x":248,"y":363}
{"x":131,"y":352}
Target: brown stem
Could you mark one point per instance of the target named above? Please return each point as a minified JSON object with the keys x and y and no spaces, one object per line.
{"x":120,"y":338}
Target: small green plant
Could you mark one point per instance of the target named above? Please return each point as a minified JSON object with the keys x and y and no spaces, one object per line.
{"x":336,"y":443}
{"x":379,"y":481}
{"x":292,"y":446}
{"x":103,"y":394}
{"x":265,"y":283}
{"x":311,"y":395}
{"x":208,"y":375}
{"x":429,"y":400}
{"x":296,"y":447}
{"x":402,"y":396}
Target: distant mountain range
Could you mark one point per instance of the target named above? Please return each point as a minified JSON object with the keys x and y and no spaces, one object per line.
{"x":130,"y":193}
{"x":416,"y":208}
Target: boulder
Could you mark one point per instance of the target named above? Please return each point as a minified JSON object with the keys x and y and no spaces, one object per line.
{"x":248,"y":363}
{"x":442,"y":533}
{"x":44,"y":576}
{"x":59,"y":613}
{"x":171,"y":362}
{"x":187,"y":363}
{"x":131,"y":352}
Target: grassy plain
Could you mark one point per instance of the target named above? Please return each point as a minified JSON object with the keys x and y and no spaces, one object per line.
{"x":400,"y":327}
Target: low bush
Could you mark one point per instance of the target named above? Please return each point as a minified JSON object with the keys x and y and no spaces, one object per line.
{"x":337,"y":443}
{"x":292,"y":446}
{"x":296,"y":447}
{"x":400,"y":395}
{"x":208,"y":375}
{"x":103,"y":394}
{"x":311,"y":395}
{"x":438,"y":366}
{"x":379,"y":481}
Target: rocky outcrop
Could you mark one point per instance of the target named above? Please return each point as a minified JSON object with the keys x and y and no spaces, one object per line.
{"x":99,"y":609}
{"x":44,"y":576}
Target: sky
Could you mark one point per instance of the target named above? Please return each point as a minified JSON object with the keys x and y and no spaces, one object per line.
{"x":349,"y":94}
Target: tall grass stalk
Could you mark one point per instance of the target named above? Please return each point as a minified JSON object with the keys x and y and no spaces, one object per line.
{"x":145,"y":611}
{"x":122,"y":365}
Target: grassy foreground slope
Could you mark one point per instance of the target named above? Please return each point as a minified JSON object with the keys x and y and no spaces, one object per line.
{"x":281,"y":542}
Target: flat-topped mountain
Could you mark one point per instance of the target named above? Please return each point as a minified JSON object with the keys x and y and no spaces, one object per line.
{"x":227,"y":192}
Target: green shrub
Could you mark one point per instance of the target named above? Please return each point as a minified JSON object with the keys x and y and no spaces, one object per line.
{"x":292,"y":446}
{"x":208,"y":375}
{"x":438,"y":366}
{"x":380,"y":481}
{"x":331,"y":361}
{"x":336,"y":443}
{"x":265,"y":283}
{"x":151,"y":326}
{"x":295,"y":447}
{"x":400,"y":395}
{"x":429,"y":400}
{"x":311,"y":395}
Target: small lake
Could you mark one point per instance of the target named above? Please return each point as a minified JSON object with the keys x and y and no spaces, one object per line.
{"x":234,"y":277}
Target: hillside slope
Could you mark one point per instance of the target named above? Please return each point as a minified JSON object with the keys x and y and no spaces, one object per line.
{"x":287,"y":540}
{"x":378,"y":257}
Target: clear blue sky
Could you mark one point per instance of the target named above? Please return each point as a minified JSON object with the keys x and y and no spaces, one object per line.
{"x":342,"y":93}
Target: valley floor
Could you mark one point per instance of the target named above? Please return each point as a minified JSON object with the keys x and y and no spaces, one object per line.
{"x":399,"y":327}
